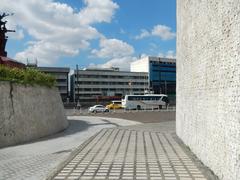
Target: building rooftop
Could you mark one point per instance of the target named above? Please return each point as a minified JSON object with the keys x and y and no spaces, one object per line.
{"x":101,"y":69}
{"x":154,"y":58}
{"x":54,"y":69}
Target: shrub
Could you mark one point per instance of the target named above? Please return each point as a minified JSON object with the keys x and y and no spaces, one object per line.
{"x":26,"y":76}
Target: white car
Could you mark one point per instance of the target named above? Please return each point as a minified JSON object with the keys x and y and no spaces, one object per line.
{"x":98,"y":108}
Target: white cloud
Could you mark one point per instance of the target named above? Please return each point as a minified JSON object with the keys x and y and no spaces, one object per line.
{"x":164,"y":32}
{"x":97,"y":11}
{"x":144,"y":33}
{"x":161,"y":31}
{"x":171,"y":54}
{"x":161,"y":55}
{"x":113,"y":48}
{"x":57,"y":29}
{"x":168,"y":54}
{"x":118,"y":53}
{"x":46,"y":50}
{"x":123,"y":63}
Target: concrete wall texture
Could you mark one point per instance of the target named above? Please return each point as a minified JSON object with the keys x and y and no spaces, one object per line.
{"x":28,"y":113}
{"x":208,"y":82}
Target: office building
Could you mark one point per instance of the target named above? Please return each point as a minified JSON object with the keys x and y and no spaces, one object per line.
{"x":161,"y":72}
{"x":94,"y":85}
{"x":61,"y":75}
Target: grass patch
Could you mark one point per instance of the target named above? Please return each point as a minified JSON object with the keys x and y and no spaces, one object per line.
{"x":26,"y":76}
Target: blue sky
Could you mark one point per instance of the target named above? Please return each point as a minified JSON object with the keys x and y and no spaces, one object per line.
{"x":96,"y":33}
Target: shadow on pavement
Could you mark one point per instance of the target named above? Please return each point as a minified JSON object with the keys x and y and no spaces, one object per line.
{"x":75,"y":126}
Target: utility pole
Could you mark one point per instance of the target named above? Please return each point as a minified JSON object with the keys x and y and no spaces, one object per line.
{"x":165,"y":87}
{"x":77,"y":103}
{"x":77,"y":83}
{"x":160,"y":83}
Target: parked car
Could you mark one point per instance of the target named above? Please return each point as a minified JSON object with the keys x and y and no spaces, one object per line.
{"x":115,"y":105}
{"x":98,"y":108}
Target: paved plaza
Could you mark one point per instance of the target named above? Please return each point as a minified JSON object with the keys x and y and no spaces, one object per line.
{"x":148,"y":151}
{"x":35,"y":160}
{"x":106,"y":148}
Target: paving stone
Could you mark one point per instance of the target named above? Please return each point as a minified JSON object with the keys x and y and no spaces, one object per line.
{"x":59,"y":177}
{"x":155,"y":178}
{"x":113,"y":177}
{"x":154,"y":156}
{"x":100,"y":177}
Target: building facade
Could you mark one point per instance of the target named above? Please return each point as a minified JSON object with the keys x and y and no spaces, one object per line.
{"x":91,"y":86}
{"x":161,"y":72}
{"x":61,"y":75}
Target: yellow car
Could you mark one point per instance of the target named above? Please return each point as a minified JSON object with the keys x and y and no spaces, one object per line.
{"x":115,"y":105}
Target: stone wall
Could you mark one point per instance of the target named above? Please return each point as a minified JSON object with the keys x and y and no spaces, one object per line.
{"x":28,"y":113}
{"x":208,"y":82}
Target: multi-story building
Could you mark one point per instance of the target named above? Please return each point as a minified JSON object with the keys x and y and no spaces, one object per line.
{"x":61,"y":75}
{"x":94,"y":85}
{"x":161,"y":73}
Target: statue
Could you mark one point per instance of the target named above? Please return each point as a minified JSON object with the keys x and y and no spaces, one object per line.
{"x":3,"y":37}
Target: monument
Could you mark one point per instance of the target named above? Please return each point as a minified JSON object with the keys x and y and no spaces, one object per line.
{"x":3,"y":41}
{"x":3,"y":37}
{"x":22,"y":106}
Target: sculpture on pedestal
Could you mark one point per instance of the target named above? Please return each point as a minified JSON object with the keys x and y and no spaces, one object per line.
{"x":3,"y":37}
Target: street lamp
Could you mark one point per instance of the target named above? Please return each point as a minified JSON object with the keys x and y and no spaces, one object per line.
{"x":78,"y":88}
{"x":130,"y":86}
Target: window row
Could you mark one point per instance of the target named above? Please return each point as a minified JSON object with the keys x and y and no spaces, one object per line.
{"x":111,"y":77}
{"x":111,"y":83}
{"x":106,"y":90}
{"x":144,"y":98}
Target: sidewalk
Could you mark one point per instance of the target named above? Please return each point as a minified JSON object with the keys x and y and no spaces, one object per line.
{"x":148,"y":151}
{"x":37,"y":159}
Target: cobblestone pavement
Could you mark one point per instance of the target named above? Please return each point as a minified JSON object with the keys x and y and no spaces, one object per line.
{"x":149,"y":152}
{"x":35,"y":160}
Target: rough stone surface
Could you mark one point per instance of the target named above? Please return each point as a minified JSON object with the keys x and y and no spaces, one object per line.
{"x":28,"y":113}
{"x":208,"y":71}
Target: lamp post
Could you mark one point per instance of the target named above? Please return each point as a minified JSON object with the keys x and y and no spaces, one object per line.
{"x":78,"y":86}
{"x":165,"y":87}
{"x":130,"y":86}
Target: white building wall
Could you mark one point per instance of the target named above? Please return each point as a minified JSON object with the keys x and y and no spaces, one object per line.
{"x":141,"y":65}
{"x":208,"y":82}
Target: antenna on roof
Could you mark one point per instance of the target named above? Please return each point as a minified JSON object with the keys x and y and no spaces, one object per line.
{"x":32,"y":64}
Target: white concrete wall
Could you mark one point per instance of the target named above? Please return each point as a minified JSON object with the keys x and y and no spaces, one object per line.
{"x":28,"y":113}
{"x":208,"y":82}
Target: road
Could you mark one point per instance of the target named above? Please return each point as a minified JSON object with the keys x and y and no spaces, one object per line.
{"x":140,"y":116}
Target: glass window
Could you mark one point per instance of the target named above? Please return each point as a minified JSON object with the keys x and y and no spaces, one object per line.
{"x":165,"y":99}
